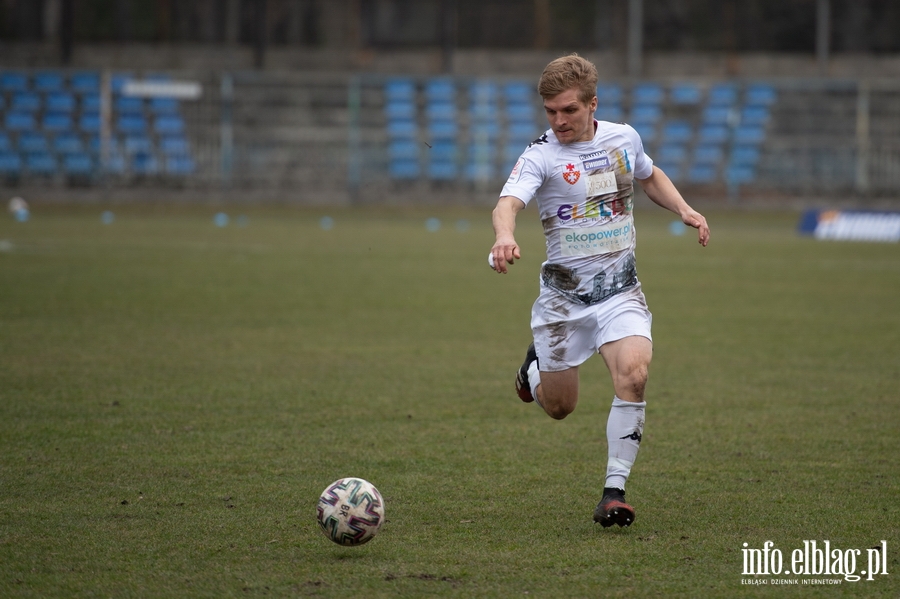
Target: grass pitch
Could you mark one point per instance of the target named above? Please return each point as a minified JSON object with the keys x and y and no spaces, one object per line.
{"x":174,"y":396}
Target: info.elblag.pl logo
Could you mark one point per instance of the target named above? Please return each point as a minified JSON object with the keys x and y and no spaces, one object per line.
{"x":814,"y":559}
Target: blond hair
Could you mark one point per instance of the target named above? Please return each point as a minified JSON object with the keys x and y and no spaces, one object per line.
{"x":569,"y":72}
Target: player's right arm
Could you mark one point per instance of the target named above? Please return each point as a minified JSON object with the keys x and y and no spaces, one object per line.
{"x":505,"y":250}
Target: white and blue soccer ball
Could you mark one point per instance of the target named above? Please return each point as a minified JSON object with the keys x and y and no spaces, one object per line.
{"x":350,"y":511}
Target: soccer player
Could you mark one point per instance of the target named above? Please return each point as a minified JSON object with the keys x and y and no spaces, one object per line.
{"x":581,"y":173}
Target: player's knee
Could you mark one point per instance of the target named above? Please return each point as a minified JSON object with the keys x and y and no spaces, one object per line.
{"x":635,"y":380}
{"x":559,"y":407}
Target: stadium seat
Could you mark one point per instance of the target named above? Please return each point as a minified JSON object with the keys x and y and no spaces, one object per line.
{"x":40,"y":163}
{"x":400,"y":90}
{"x":440,"y":90}
{"x":32,"y":142}
{"x":487,"y":131}
{"x":442,"y":171}
{"x":685,"y":94}
{"x":138,"y":144}
{"x":10,"y":163}
{"x":522,"y":134}
{"x":131,"y":124}
{"x":56,"y":121}
{"x":672,"y":153}
{"x":60,"y":102}
{"x":90,"y":103}
{"x":713,"y":134}
{"x":128,"y":105}
{"x":404,"y":169}
{"x":174,"y":145}
{"x":701,"y":173}
{"x":760,"y":94}
{"x":402,"y":110}
{"x":403,"y":150}
{"x":5,"y":142}
{"x":438,"y":130}
{"x":164,"y":105}
{"x":479,"y":171}
{"x":169,"y":124}
{"x":647,"y":131}
{"x":67,"y":143}
{"x":144,"y":164}
{"x":520,"y":112}
{"x":645,"y":115}
{"x":19,"y":121}
{"x":48,"y":81}
{"x":609,"y":94}
{"x":440,"y":111}
{"x":672,"y":169}
{"x":745,"y":155}
{"x":78,"y":163}
{"x":89,"y":122}
{"x":716,"y":115}
{"x":677,"y":131}
{"x":755,"y":115}
{"x":179,"y":165}
{"x":118,"y":81}
{"x":13,"y":82}
{"x":708,"y":154}
{"x":722,"y":94}
{"x":85,"y":83}
{"x":647,"y":94}
{"x":405,"y":129}
{"x":611,"y":113}
{"x":738,"y":175}
{"x":749,"y":134}
{"x":518,"y":92}
{"x":25,"y":102}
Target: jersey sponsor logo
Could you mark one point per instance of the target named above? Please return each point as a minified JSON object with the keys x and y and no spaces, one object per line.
{"x":516,"y":171}
{"x":594,"y":160}
{"x":571,"y":175}
{"x":594,"y":208}
{"x":594,"y":241}
{"x":598,"y":184}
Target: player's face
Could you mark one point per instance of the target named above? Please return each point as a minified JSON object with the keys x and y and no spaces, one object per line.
{"x":571,"y":119}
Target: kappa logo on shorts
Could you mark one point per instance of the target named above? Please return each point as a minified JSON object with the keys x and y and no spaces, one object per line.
{"x":571,"y":175}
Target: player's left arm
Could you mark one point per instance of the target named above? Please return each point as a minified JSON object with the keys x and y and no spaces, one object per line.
{"x":662,"y":191}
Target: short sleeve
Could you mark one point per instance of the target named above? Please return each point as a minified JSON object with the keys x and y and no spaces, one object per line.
{"x":524,"y":179}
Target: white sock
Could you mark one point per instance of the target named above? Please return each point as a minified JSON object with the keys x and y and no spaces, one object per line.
{"x":534,"y":379}
{"x":624,"y":430}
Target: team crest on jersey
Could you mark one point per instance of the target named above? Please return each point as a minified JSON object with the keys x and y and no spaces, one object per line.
{"x":571,"y":175}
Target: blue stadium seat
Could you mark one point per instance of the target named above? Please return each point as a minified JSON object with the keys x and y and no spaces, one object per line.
{"x":56,"y":121}
{"x":32,"y":142}
{"x":609,"y":93}
{"x":404,"y":169}
{"x":175,"y":145}
{"x":10,"y":163}
{"x":401,"y":90}
{"x":48,"y":81}
{"x":674,"y":170}
{"x":440,"y":111}
{"x":701,"y":173}
{"x":60,"y":102}
{"x":40,"y":163}
{"x":745,"y":155}
{"x":611,"y":113}
{"x":90,"y":103}
{"x":685,"y":94}
{"x":647,"y":93}
{"x":406,"y":129}
{"x":760,"y":94}
{"x":118,"y":81}
{"x":128,"y":105}
{"x":722,"y":94}
{"x":520,"y":112}
{"x":144,"y":164}
{"x":89,"y":122}
{"x":487,"y":131}
{"x":85,"y":82}
{"x":483,"y":92}
{"x":19,"y":121}
{"x":677,"y":131}
{"x":5,"y":142}
{"x":438,"y":130}
{"x":749,"y":134}
{"x":78,"y":164}
{"x":755,"y":115}
{"x":180,"y":165}
{"x":672,"y":153}
{"x":13,"y":82}
{"x":402,"y":110}
{"x":26,"y":102}
{"x":647,"y":131}
{"x":94,"y":145}
{"x":708,"y":154}
{"x":164,"y":105}
{"x":645,"y":115}
{"x":67,"y":143}
{"x":131,"y":124}
{"x":716,"y":115}
{"x":168,"y":124}
{"x":138,"y":144}
{"x":403,"y":150}
{"x":442,"y":171}
{"x":440,"y":90}
{"x":523,"y":133}
{"x":740,"y":174}
{"x":713,"y":134}
{"x":518,"y":92}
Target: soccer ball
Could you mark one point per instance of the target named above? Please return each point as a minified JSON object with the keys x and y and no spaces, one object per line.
{"x":350,"y":511}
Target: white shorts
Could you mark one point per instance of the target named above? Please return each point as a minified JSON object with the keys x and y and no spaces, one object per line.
{"x":566,"y":333}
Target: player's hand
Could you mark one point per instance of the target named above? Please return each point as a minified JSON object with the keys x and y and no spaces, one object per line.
{"x":505,"y":253}
{"x":692,"y":218}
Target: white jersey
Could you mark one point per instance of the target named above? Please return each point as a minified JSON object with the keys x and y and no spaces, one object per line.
{"x":585,"y":195}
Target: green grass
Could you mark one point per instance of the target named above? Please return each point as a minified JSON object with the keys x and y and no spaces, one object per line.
{"x":174,"y":397}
